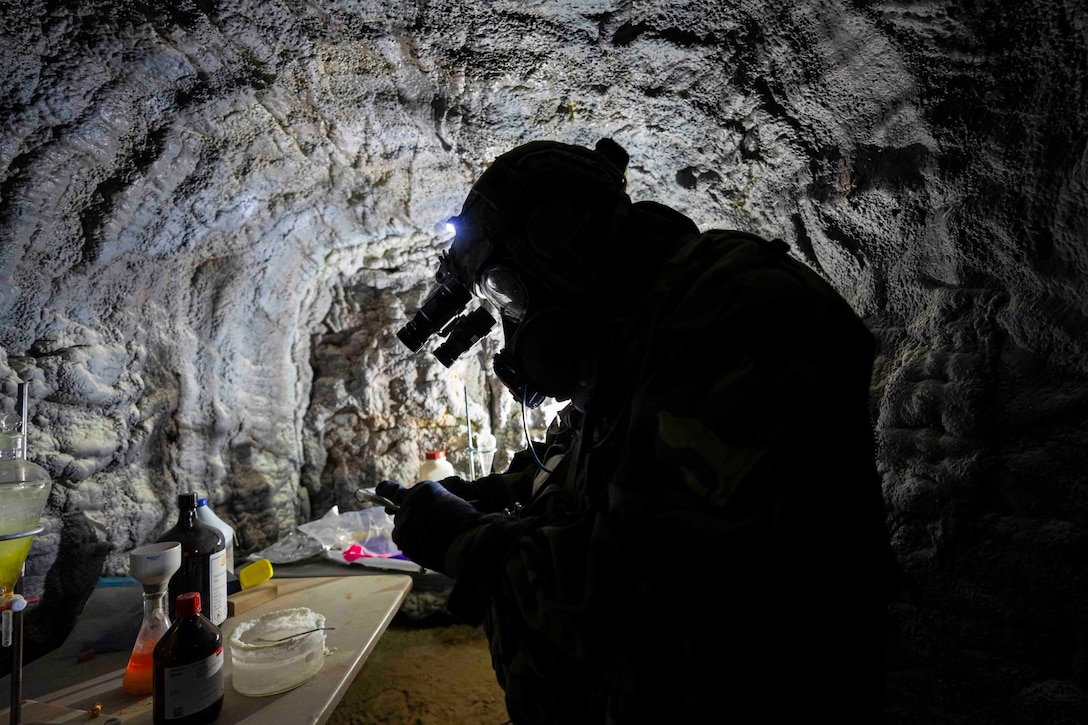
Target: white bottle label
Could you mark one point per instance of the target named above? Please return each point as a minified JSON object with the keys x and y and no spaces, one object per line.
{"x":193,"y":687}
{"x":230,"y":555}
{"x":205,"y":514}
{"x":217,"y":607}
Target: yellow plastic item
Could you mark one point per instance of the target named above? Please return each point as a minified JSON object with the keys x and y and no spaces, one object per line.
{"x":253,"y":574}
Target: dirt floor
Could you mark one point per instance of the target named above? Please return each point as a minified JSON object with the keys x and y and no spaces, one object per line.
{"x":425,"y":675}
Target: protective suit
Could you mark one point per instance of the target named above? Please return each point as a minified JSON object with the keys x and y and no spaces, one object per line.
{"x":701,"y":536}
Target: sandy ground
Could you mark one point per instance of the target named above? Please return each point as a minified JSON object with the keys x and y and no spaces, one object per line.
{"x":425,"y":675}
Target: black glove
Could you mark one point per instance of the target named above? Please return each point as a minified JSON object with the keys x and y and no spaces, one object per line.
{"x":429,"y":519}
{"x":487,"y":495}
{"x":392,"y":491}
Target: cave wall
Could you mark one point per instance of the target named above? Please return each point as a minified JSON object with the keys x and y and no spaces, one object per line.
{"x":214,"y":215}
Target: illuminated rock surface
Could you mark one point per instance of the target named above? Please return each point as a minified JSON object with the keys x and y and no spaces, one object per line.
{"x":213,"y":218}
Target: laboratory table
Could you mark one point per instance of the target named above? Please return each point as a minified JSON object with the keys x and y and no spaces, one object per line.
{"x":60,"y":688}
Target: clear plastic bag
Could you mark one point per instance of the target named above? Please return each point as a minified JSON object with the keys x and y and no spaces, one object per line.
{"x":359,"y":537}
{"x":355,"y":537}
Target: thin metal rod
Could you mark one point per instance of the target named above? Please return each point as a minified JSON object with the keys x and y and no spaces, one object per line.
{"x":15,"y":715}
{"x":471,"y":448}
{"x":16,"y":711}
{"x":23,"y":407}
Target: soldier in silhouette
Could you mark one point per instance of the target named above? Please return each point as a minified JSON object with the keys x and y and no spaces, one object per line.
{"x":700,"y":537}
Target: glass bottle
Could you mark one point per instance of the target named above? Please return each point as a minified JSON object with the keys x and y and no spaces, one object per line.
{"x":205,"y":513}
{"x":435,"y":467}
{"x":203,"y":561}
{"x":152,"y":565}
{"x":188,"y":668}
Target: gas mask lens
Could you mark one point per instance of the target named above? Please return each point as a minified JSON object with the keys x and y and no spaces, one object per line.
{"x":501,"y":287}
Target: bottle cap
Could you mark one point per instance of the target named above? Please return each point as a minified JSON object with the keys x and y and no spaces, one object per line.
{"x":253,"y":574}
{"x":435,"y":455}
{"x":186,"y":501}
{"x":187,"y":604}
{"x":202,"y":502}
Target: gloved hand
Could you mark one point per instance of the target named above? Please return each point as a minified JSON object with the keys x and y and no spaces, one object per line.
{"x":459,"y":487}
{"x":487,"y":494}
{"x":429,"y":519}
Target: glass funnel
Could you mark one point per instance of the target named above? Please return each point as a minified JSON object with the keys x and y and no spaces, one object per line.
{"x":24,"y":489}
{"x":151,"y":565}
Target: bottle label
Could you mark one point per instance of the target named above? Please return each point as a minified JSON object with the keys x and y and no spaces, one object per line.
{"x":193,"y":687}
{"x":217,"y":607}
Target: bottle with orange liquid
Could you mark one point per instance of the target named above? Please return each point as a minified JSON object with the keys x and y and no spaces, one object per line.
{"x":138,"y":679}
{"x":152,"y":565}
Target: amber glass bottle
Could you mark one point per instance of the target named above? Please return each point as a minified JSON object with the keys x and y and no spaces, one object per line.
{"x":203,"y":561}
{"x":188,"y":665}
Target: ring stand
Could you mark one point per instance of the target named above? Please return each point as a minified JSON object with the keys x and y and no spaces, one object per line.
{"x":19,"y":477}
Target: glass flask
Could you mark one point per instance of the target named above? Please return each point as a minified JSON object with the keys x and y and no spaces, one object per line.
{"x":152,"y":565}
{"x":24,"y":489}
{"x":138,"y":674}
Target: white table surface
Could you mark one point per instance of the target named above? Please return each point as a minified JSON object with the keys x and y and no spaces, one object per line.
{"x":359,"y":607}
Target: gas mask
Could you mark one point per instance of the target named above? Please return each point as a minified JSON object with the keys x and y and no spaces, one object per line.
{"x":529,"y":243}
{"x":536,"y":361}
{"x":543,"y":346}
